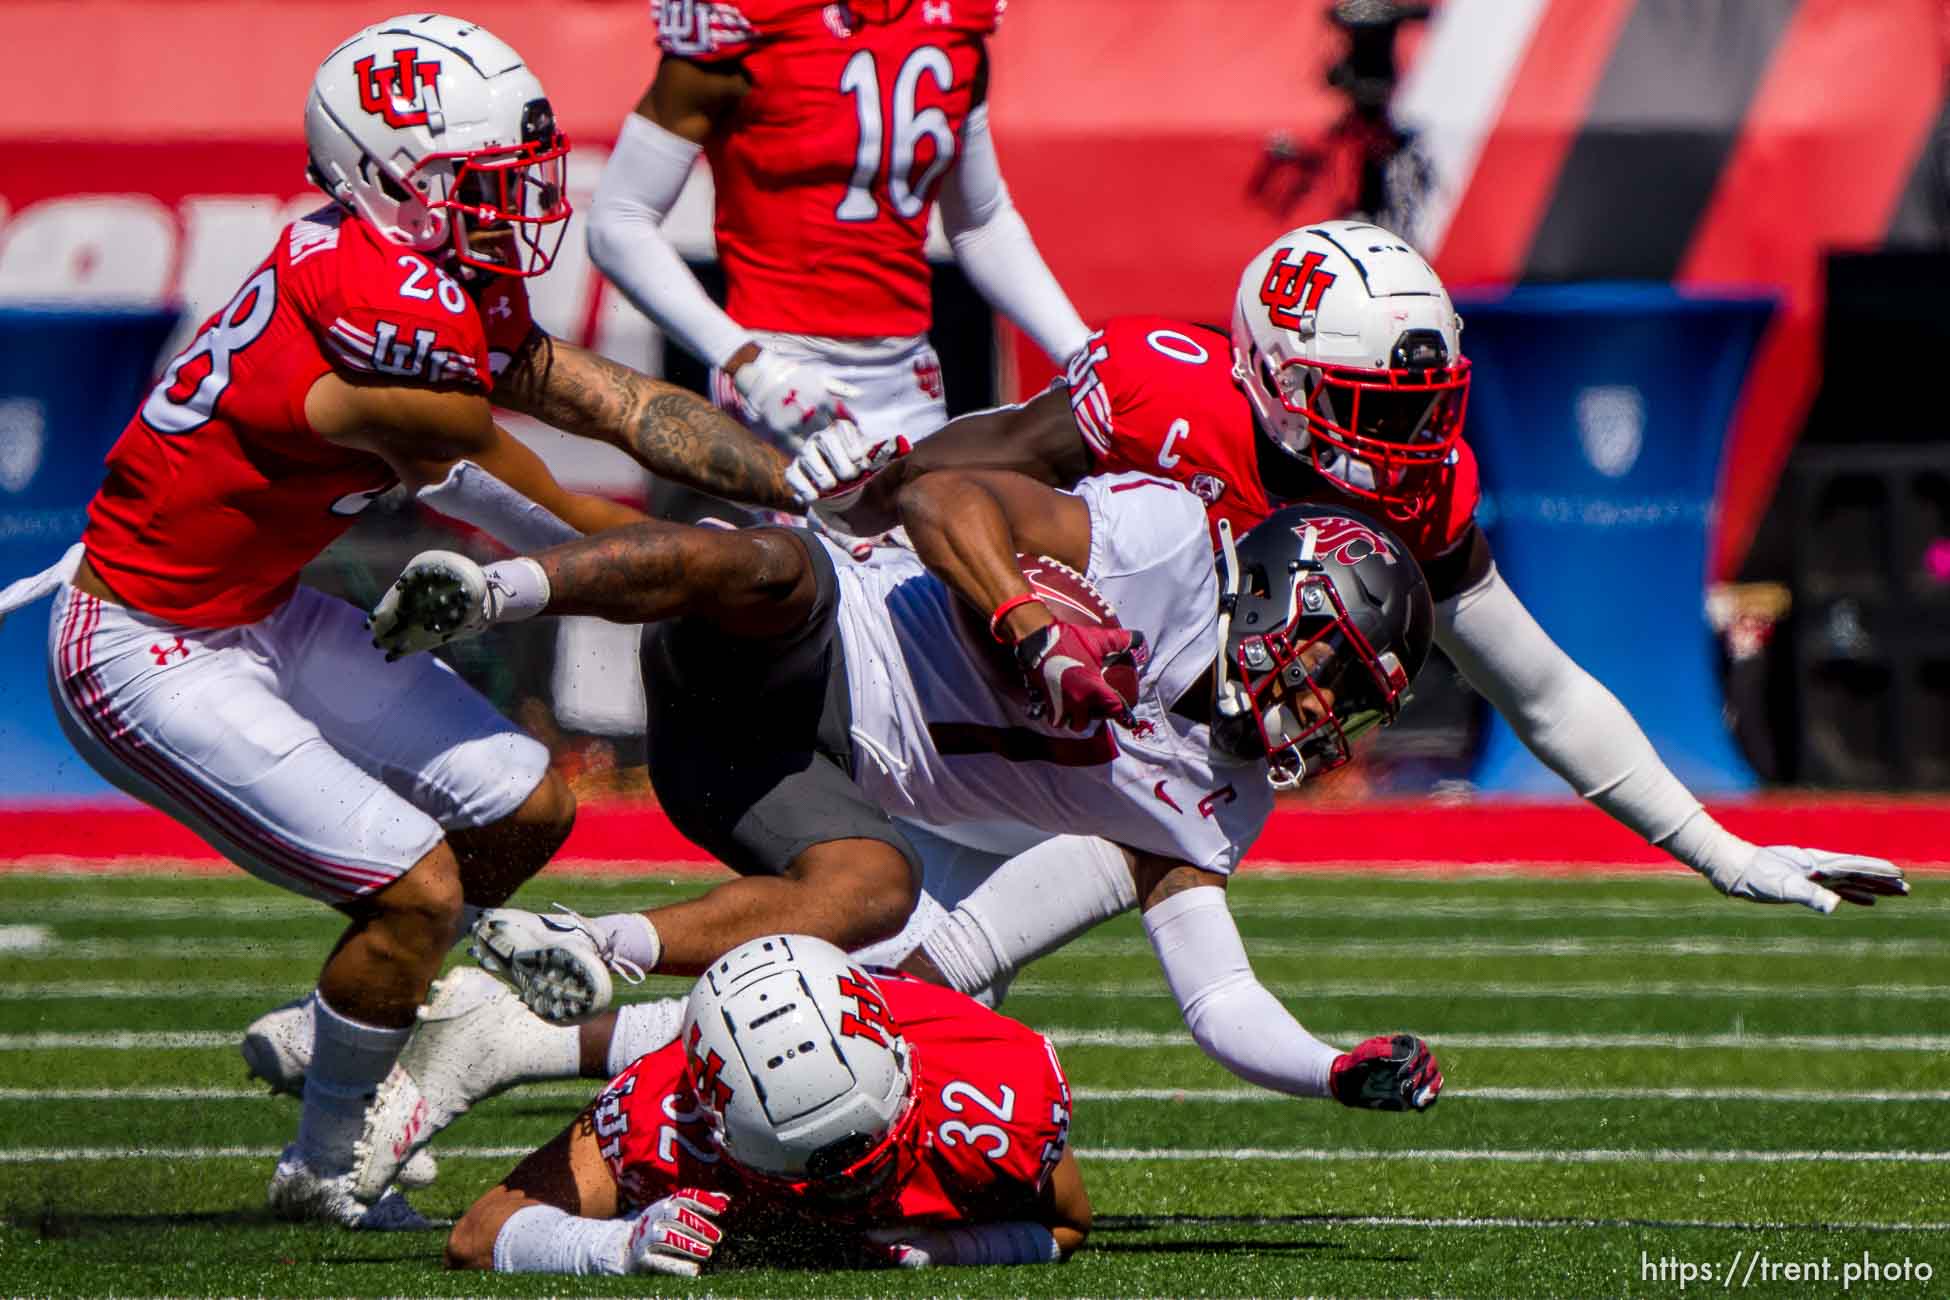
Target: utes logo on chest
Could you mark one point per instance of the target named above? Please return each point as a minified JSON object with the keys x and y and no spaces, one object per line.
{"x":404,"y":94}
{"x":1289,"y":285}
{"x":1348,"y":540}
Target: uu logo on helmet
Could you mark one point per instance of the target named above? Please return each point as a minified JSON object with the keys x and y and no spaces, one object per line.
{"x":1348,"y":540}
{"x":398,"y":93}
{"x":1290,"y":284}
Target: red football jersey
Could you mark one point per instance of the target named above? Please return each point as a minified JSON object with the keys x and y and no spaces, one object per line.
{"x":994,"y":1121}
{"x":1157,"y":396}
{"x":826,"y":173}
{"x":218,"y":492}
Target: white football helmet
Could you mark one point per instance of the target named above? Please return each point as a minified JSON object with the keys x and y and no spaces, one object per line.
{"x":1350,"y":353}
{"x":802,"y":1070}
{"x":434,"y":131}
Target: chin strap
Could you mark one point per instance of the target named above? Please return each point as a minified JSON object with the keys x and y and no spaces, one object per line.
{"x":1230,"y":700}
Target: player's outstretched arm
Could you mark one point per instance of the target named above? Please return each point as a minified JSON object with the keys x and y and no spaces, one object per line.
{"x":557,"y":1213}
{"x":1061,"y":1225}
{"x":1581,"y":731}
{"x":1237,"y":1023}
{"x":670,"y":431}
{"x":422,"y":433}
{"x":1037,"y":439}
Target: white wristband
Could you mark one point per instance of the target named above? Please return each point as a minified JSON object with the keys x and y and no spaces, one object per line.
{"x":517,"y":589}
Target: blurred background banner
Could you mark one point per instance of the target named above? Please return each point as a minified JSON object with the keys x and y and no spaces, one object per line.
{"x":1597,"y":410}
{"x":69,"y":377}
{"x":1794,"y":149}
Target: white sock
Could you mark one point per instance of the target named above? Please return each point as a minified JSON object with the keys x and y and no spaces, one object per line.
{"x":642,"y":1028}
{"x":631,"y":936}
{"x":543,"y":1239}
{"x":1035,"y":903}
{"x":348,"y":1060}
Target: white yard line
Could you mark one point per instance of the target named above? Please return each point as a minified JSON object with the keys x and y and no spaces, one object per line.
{"x":1575,"y":1156}
{"x":19,"y":940}
{"x":124,"y":990}
{"x":1708,"y":907}
{"x":1139,"y":1038}
{"x":1065,"y":1036}
{"x":1542,"y":990}
{"x":582,"y":1090}
{"x":1425,"y":950}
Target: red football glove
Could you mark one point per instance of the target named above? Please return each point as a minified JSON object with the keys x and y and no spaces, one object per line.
{"x":1397,"y":1073}
{"x":1064,"y":665}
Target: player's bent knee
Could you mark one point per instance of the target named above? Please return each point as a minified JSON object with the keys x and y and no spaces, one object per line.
{"x":471,"y":1243}
{"x":875,"y":886}
{"x":423,"y":907}
{"x":550,"y":809}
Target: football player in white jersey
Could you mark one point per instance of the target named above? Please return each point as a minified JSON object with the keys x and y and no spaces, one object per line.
{"x":797,"y":701}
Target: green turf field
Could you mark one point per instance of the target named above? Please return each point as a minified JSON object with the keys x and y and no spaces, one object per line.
{"x":1640,"y":1075}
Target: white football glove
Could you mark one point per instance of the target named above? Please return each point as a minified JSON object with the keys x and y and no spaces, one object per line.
{"x":1813,"y":878}
{"x":677,"y":1234}
{"x":791,"y":398}
{"x":836,"y":462}
{"x":441,"y":596}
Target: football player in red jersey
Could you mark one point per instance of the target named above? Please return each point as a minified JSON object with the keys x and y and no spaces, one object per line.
{"x":1342,"y":380}
{"x":808,"y":1110}
{"x":190,"y":668}
{"x":832,"y":129}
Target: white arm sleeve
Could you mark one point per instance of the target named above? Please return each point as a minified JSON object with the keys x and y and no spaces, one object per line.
{"x":1573,"y":724}
{"x":543,"y":1239}
{"x":640,"y":184}
{"x":474,"y":496}
{"x":1231,"y":1015}
{"x":995,"y":250}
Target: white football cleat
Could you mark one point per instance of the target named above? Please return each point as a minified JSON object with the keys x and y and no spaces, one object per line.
{"x":277,"y":1047}
{"x":556,"y":963}
{"x":277,"y":1050}
{"x":463,"y":1051}
{"x":300,"y":1193}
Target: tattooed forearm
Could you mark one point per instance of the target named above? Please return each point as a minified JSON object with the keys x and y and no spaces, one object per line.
{"x":656,"y":570}
{"x":671,"y":432}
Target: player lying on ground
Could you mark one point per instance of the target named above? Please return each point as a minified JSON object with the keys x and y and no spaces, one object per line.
{"x":830,"y":131}
{"x":190,"y":668}
{"x":809,"y":1113}
{"x":797,"y":698}
{"x":1342,"y":382}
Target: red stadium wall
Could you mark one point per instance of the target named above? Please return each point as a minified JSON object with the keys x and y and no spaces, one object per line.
{"x":1374,"y":835}
{"x":1130,"y":134}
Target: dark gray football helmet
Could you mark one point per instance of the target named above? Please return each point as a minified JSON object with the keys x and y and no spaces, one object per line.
{"x":1316,"y":600}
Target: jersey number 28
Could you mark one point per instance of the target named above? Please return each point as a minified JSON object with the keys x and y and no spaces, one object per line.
{"x":861,"y":79}
{"x":235,"y":328}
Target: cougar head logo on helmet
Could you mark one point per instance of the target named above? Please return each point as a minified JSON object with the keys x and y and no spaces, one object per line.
{"x":803,"y":1072}
{"x":1324,"y":620}
{"x":1350,"y":353}
{"x":436,"y":133}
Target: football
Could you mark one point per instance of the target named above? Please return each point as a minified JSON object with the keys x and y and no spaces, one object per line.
{"x":1070,"y":598}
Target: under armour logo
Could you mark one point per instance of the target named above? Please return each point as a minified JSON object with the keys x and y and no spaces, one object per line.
{"x":502,"y":308}
{"x":163,"y":652}
{"x":936,"y":11}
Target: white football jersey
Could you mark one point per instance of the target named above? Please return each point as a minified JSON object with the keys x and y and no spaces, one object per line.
{"x":939,"y":739}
